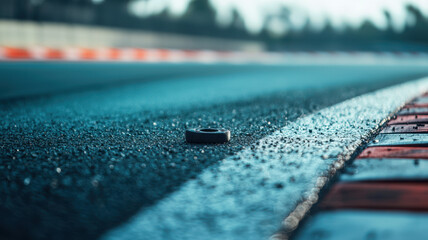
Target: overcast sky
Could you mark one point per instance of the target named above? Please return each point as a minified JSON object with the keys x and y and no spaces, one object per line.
{"x":340,"y":13}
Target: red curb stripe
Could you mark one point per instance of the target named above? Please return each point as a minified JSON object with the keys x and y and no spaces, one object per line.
{"x":139,"y":54}
{"x":379,"y":195}
{"x":416,"y":105}
{"x":114,"y":54}
{"x":409,"y":119}
{"x":17,"y":53}
{"x":409,"y":128}
{"x":191,"y":53}
{"x":395,"y":152}
{"x":163,"y":54}
{"x":87,"y":54}
{"x":53,"y":54}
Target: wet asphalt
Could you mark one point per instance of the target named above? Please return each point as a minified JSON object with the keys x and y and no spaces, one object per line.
{"x":77,"y":161}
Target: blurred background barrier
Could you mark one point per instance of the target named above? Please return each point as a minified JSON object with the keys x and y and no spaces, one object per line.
{"x":156,"y":55}
{"x":34,"y":34}
{"x":274,"y":25}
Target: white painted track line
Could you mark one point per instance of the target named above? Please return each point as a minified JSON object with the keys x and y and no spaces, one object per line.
{"x":248,"y":195}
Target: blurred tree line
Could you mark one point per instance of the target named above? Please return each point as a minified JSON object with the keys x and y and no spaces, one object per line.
{"x":199,"y":19}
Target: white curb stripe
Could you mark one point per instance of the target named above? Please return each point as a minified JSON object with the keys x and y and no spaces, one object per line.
{"x":248,"y":195}
{"x":400,"y":139}
{"x":378,"y":169}
{"x":363,"y":224}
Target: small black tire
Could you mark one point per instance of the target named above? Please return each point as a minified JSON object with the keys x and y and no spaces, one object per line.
{"x":207,"y":135}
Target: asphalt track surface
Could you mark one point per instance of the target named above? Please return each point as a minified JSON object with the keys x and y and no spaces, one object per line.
{"x":80,"y":158}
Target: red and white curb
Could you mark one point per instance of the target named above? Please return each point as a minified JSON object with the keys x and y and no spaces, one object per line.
{"x":107,"y":54}
{"x":133,"y":55}
{"x":389,"y":178}
{"x":10,"y":53}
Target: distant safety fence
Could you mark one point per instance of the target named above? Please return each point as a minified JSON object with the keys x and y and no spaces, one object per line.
{"x":11,"y":53}
{"x":59,"y":35}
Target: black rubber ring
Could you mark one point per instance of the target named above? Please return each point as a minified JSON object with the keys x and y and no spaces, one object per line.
{"x":207,"y":135}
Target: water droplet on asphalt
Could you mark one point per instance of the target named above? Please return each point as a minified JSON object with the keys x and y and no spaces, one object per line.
{"x":27,"y":181}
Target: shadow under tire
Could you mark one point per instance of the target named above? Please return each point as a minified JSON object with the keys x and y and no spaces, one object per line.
{"x":207,"y":135}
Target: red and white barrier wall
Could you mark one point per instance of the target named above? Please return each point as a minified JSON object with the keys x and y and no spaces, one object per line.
{"x":106,"y":54}
{"x":8,"y":53}
{"x":132,"y":55}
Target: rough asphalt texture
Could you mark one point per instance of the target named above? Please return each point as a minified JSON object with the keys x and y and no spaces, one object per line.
{"x":76,"y":164}
{"x":269,"y":185}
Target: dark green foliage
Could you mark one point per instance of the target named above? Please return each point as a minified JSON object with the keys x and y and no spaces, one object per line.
{"x":199,"y":19}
